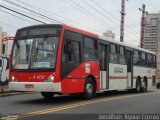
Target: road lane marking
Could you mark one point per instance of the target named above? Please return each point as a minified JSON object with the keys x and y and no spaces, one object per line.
{"x":74,"y":105}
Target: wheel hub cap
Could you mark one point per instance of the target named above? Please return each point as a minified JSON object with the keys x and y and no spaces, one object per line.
{"x":89,"y":88}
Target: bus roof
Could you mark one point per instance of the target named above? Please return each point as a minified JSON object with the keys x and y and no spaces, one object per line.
{"x":40,"y":26}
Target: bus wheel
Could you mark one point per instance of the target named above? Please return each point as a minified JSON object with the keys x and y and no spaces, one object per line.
{"x":89,"y":89}
{"x":144,"y":85}
{"x":47,"y":95}
{"x":138,"y":86}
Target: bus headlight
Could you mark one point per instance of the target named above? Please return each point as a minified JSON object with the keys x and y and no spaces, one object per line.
{"x":50,"y":78}
{"x":13,"y":79}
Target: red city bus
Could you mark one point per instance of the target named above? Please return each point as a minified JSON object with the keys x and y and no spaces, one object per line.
{"x":59,"y":59}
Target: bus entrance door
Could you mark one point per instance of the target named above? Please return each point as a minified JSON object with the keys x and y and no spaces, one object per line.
{"x":129,"y":69}
{"x":104,"y":81}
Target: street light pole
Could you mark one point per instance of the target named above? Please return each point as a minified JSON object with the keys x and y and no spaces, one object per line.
{"x":122,"y":20}
{"x":144,"y":12}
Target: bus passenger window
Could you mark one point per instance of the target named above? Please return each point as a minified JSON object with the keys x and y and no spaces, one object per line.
{"x":122,"y":55}
{"x":143,"y":59}
{"x":71,"y":52}
{"x":113,"y":53}
{"x":90,"y":49}
{"x":136,"y":58}
{"x":149,"y":60}
{"x":154,"y":61}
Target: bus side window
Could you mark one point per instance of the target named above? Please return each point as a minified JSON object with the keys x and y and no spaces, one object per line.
{"x":149,"y":61}
{"x":90,"y":49}
{"x":143,"y":59}
{"x":122,"y":59}
{"x":153,"y":59}
{"x":71,"y":51}
{"x":136,"y":58}
{"x":113,"y":53}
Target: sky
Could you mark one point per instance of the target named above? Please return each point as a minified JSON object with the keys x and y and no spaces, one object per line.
{"x":95,"y":16}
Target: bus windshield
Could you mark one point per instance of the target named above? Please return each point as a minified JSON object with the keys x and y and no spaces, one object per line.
{"x":35,"y":53}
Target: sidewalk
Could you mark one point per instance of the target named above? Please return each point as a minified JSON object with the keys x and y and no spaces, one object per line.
{"x":6,"y":92}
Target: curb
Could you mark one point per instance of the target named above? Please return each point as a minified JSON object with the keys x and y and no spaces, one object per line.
{"x":9,"y":93}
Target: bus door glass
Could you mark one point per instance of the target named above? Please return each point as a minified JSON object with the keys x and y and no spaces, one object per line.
{"x":129,"y":69}
{"x":104,"y":81}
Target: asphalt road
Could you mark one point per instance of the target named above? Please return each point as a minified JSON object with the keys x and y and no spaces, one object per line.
{"x":33,"y":106}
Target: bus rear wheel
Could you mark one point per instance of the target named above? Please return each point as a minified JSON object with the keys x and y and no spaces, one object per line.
{"x":144,"y":85}
{"x":47,"y":95}
{"x":89,"y":89}
{"x":138,"y":86}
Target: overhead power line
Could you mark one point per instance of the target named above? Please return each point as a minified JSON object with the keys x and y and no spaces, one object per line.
{"x":77,"y":8}
{"x":2,"y":6}
{"x":115,"y":18}
{"x":51,"y":13}
{"x":13,"y":3}
{"x":89,"y":13}
{"x":16,"y":16}
{"x":104,"y":10}
{"x":93,"y":15}
{"x":100,"y":13}
{"x":43,"y":11}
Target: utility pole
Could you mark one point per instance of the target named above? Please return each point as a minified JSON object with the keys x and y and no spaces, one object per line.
{"x":144,"y":12}
{"x":122,"y":20}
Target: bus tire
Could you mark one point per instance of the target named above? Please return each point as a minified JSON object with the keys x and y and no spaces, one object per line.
{"x":138,"y":85}
{"x":144,"y":85}
{"x":47,"y":95}
{"x":89,"y":89}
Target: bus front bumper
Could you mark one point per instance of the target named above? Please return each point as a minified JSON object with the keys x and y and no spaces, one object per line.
{"x":35,"y":86}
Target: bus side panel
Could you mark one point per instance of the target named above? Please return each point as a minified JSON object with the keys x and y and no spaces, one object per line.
{"x":143,"y":71}
{"x":74,"y":82}
{"x":117,"y":76}
{"x":71,"y":85}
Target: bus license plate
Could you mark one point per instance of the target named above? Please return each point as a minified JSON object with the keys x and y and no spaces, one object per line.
{"x":29,"y":86}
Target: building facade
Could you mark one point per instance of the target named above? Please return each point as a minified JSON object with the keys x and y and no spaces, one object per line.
{"x":152,"y":30}
{"x":152,"y":35}
{"x":109,"y":34}
{"x":3,"y":34}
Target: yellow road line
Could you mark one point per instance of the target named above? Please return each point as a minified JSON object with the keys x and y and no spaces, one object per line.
{"x":81,"y":104}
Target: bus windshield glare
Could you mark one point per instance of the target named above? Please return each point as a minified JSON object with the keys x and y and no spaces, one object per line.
{"x":35,"y":53}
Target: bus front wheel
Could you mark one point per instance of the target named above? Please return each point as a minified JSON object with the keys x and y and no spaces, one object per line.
{"x":47,"y":95}
{"x":89,"y":89}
